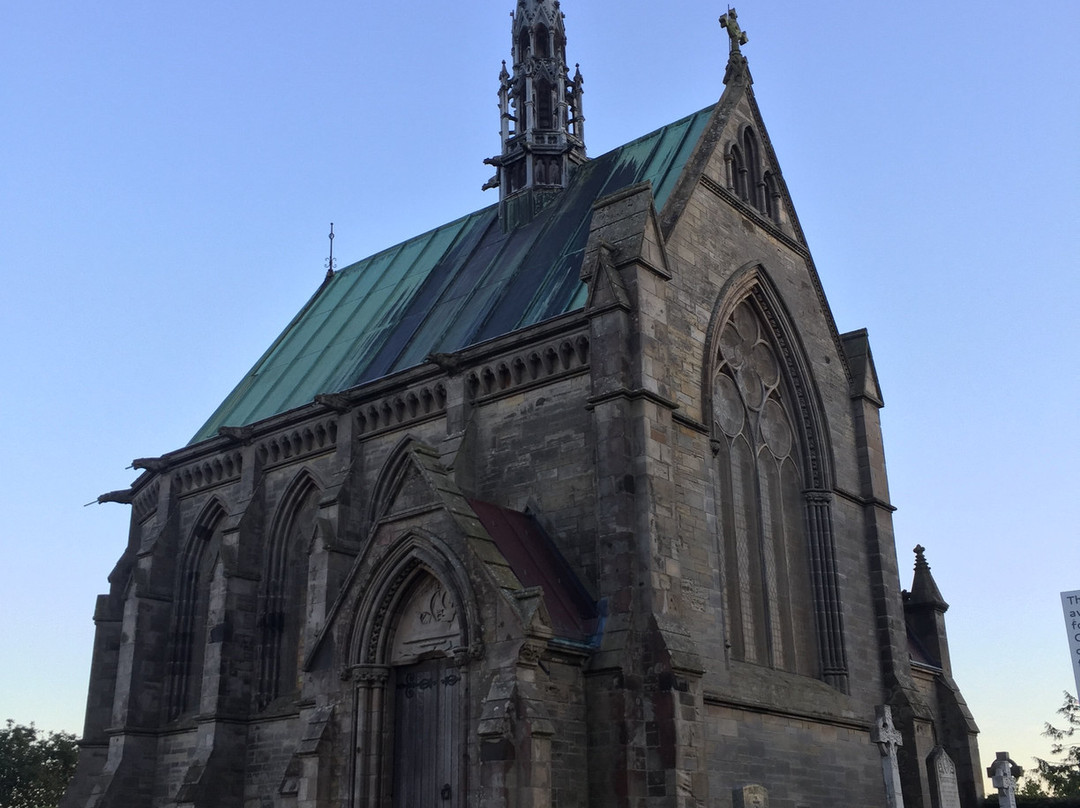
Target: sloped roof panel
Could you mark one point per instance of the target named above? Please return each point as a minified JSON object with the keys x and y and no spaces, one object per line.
{"x":536,"y":561}
{"x":455,"y":286}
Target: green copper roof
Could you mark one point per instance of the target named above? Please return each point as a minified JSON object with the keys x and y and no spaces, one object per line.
{"x":455,"y":286}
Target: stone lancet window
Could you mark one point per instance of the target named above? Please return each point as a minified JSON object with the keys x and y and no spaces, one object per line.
{"x":747,"y":177}
{"x":283,"y":601}
{"x":769,"y":598}
{"x":545,"y":114}
{"x":736,"y":172}
{"x":542,"y":41}
{"x":754,"y":191}
{"x":189,"y":629}
{"x":772,"y":197}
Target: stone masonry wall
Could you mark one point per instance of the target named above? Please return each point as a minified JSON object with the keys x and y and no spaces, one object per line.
{"x":712,"y":240}
{"x":801,"y":762}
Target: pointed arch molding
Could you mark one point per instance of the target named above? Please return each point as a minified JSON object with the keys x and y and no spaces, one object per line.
{"x":380,"y":563}
{"x":303,"y":483}
{"x":283,"y":588}
{"x":415,"y":560}
{"x":388,"y":586}
{"x":399,"y":462}
{"x":751,"y":283}
{"x":190,"y":612}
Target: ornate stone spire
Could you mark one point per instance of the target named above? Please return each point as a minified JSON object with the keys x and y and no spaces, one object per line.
{"x":543,"y":128}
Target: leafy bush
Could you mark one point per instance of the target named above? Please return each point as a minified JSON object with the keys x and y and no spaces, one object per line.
{"x":34,"y":767}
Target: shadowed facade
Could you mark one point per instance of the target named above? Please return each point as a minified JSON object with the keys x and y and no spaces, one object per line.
{"x":579,"y":500}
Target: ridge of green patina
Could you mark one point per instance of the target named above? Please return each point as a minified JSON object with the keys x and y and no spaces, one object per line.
{"x":455,"y":286}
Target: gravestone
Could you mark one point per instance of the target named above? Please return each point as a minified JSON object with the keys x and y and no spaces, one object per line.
{"x":944,"y":792}
{"x":1003,"y":773}
{"x":751,"y":797}
{"x":888,"y":738}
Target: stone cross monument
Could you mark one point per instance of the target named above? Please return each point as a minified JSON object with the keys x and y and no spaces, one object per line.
{"x":888,"y":738}
{"x":1003,"y":773}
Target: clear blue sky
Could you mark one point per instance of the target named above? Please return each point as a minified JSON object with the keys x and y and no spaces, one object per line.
{"x":169,"y":172}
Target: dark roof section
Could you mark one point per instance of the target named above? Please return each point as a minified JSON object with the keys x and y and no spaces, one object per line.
{"x":536,"y":561}
{"x":458,"y":285}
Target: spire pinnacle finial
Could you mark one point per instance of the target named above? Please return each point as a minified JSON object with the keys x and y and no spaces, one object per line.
{"x":330,"y":263}
{"x":541,"y":120}
{"x":924,"y":589}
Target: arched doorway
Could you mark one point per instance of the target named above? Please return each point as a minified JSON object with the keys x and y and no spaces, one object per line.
{"x":411,"y":696}
{"x":428,"y":699}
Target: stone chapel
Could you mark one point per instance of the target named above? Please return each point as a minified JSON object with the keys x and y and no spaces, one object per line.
{"x":578,"y":501}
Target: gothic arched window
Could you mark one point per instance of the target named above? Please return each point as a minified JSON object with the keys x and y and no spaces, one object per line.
{"x":753,"y":169}
{"x":542,"y":50}
{"x":284,"y":594}
{"x":523,"y":45}
{"x":772,"y":197}
{"x":189,"y":634}
{"x":736,"y":172}
{"x":769,"y":614}
{"x":545,"y":115}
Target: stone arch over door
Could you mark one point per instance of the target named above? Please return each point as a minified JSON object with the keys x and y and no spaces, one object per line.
{"x":409,"y":669}
{"x":772,"y":484}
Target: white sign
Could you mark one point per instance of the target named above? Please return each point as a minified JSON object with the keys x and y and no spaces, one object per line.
{"x":1070,"y":604}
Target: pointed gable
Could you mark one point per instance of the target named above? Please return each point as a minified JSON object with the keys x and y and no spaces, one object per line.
{"x":735,"y":158}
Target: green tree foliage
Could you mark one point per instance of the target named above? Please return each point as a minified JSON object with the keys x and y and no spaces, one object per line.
{"x":1032,"y":787}
{"x":1036,"y":802}
{"x":1062,"y":776}
{"x":34,"y":767}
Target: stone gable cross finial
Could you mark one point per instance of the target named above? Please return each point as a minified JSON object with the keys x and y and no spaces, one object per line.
{"x":737,"y":35}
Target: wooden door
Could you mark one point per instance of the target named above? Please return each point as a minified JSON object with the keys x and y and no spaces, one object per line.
{"x":428,"y":749}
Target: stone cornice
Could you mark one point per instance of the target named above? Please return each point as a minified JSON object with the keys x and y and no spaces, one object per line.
{"x":690,"y":423}
{"x":748,"y":210}
{"x":715,"y":699}
{"x":199,"y":459}
{"x":864,"y":501}
{"x":632,"y":395}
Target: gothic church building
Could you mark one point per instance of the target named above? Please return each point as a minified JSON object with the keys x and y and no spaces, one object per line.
{"x":578,"y":501}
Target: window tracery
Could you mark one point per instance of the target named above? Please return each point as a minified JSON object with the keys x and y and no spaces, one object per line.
{"x":760,"y":503}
